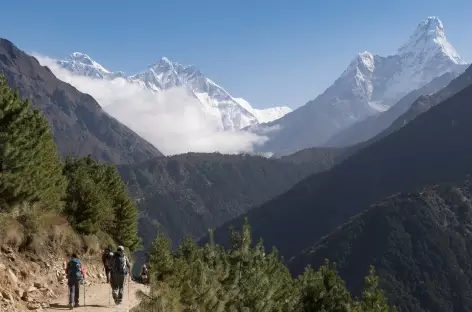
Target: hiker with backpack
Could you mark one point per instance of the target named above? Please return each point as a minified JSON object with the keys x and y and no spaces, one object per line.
{"x":107,"y":259}
{"x":120,"y":269}
{"x":75,"y":275}
{"x":144,"y":274}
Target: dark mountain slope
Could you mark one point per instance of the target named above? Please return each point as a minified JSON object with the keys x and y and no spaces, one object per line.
{"x":190,"y":193}
{"x":373,"y":125}
{"x":420,"y":244}
{"x":434,"y":147}
{"x":322,"y":157}
{"x":407,"y":109}
{"x":79,"y":124}
{"x":421,"y":105}
{"x":425,"y":102}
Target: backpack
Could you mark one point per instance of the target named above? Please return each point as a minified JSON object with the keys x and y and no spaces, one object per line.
{"x":119,"y":264}
{"x":74,"y":270}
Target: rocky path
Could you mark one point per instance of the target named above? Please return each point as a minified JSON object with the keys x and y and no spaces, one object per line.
{"x":98,"y":299}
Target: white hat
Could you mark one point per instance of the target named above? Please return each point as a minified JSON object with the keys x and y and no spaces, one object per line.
{"x":120,"y":248}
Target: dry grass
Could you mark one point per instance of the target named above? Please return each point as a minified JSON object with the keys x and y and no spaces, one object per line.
{"x":11,"y":231}
{"x":46,"y":232}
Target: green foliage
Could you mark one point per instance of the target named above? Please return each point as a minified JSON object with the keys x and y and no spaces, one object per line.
{"x":323,"y":290}
{"x":373,"y":298}
{"x":33,"y":181}
{"x":30,"y":170}
{"x":245,"y":278}
{"x":420,"y":244}
{"x":189,"y":193}
{"x":97,"y":201}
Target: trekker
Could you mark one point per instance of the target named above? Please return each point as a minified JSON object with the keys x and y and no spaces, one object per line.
{"x":144,"y":274}
{"x":74,"y":274}
{"x":107,"y":258}
{"x":120,"y":269}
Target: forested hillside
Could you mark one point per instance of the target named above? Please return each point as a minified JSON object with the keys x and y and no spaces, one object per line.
{"x":419,"y":242}
{"x":190,"y":193}
{"x":244,"y":277}
{"x":36,"y":187}
{"x":432,"y":148}
{"x":35,"y":184}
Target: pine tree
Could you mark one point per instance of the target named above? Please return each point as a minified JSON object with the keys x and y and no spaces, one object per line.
{"x":84,"y":202}
{"x":245,"y":278}
{"x":97,"y":192}
{"x":161,"y":259}
{"x":373,"y":298}
{"x":30,"y":169}
{"x":125,"y":230}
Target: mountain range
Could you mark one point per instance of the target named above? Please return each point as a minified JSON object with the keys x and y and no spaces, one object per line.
{"x":372,"y":92}
{"x":189,"y":193}
{"x":369,"y":86}
{"x":374,"y":202}
{"x":79,"y":124}
{"x":432,"y":148}
{"x":421,"y":250}
{"x":231,"y":113}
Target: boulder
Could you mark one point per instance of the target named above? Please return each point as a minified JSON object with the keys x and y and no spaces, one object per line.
{"x":34,"y":305}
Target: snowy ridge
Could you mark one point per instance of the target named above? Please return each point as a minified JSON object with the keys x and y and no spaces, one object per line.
{"x":370,"y":85}
{"x":264,"y":115}
{"x":383,"y":80}
{"x":81,"y":64}
{"x":231,"y":113}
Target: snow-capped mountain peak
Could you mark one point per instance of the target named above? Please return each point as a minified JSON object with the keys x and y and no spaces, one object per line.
{"x":370,"y":85}
{"x":81,"y":64}
{"x":363,"y":63}
{"x":85,"y":59}
{"x":367,"y":60}
{"x":232,"y":113}
{"x":429,"y":38}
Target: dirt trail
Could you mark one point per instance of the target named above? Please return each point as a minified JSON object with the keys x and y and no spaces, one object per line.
{"x":98,"y":299}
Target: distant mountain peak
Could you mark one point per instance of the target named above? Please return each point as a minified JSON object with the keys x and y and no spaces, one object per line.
{"x":366,"y":60}
{"x":432,"y":26}
{"x":429,"y":38}
{"x":166,"y":60}
{"x":163,"y":62}
{"x":164,"y":74}
{"x":85,"y":59}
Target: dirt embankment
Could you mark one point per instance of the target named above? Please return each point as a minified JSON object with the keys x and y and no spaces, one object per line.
{"x":29,"y":282}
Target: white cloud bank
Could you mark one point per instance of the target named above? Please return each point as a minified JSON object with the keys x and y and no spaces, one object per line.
{"x":171,"y":120}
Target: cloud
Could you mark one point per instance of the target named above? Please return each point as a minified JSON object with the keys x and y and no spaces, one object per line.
{"x":172,"y":120}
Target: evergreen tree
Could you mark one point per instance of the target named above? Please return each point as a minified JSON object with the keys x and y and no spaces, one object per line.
{"x":97,"y":200}
{"x":323,"y":290}
{"x":84,"y":203}
{"x":125,"y":229}
{"x":373,"y":298}
{"x":30,"y":169}
{"x":161,"y":259}
{"x":245,"y":278}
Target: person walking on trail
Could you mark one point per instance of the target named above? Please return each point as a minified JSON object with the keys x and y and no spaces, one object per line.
{"x":121,"y":267}
{"x":144,"y":274}
{"x":75,"y":275}
{"x":107,"y":258}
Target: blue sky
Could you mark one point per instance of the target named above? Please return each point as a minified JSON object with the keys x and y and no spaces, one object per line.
{"x":267,"y":51}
